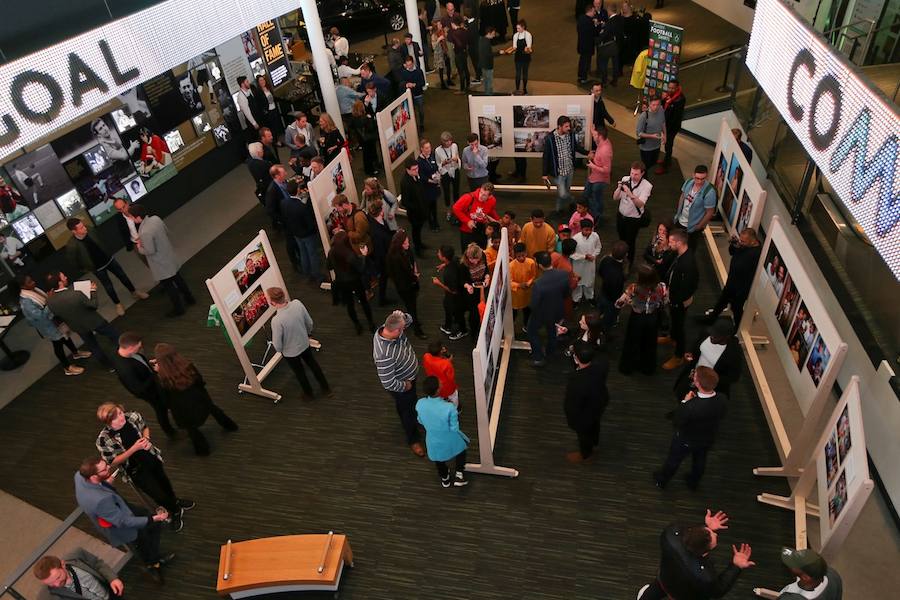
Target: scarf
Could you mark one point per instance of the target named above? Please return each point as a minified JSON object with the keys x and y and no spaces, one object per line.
{"x":672,"y":99}
{"x":36,"y":295}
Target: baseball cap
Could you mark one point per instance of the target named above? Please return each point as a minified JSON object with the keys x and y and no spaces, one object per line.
{"x":563,"y":227}
{"x":806,"y":560}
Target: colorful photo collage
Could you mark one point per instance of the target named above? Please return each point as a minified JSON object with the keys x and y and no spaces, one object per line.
{"x":807,"y":347}
{"x":663,"y":52}
{"x":839,"y":468}
{"x":531,"y":126}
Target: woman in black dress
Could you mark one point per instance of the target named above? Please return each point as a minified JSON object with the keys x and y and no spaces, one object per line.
{"x":186,"y":396}
{"x":658,"y":254}
{"x":402,"y":268}
{"x":647,"y":299}
{"x":330,"y":139}
{"x":349,"y":269}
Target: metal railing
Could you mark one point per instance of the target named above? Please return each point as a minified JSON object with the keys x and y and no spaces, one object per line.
{"x":852,"y":39}
{"x":723,"y":66}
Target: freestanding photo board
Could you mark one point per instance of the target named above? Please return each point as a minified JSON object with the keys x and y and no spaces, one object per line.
{"x":398,"y":132}
{"x":337,"y":178}
{"x":741,"y":197}
{"x":238,"y":291}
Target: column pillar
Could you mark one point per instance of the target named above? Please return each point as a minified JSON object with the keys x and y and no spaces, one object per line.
{"x":321,"y":63}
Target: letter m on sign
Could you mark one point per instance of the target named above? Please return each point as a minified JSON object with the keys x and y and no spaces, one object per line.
{"x":881,"y":169}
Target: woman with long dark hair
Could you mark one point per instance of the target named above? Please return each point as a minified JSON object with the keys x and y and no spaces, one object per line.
{"x":330,"y":139}
{"x":658,"y":254}
{"x":268,"y":108}
{"x":363,"y":124}
{"x":647,"y":299}
{"x":349,"y":269}
{"x":186,"y":396}
{"x":402,"y":268}
{"x":591,"y":333}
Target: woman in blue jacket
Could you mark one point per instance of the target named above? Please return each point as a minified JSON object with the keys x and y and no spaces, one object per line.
{"x":442,"y":435}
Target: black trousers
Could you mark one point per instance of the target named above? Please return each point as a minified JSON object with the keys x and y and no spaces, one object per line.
{"x":462,"y":67}
{"x":584,"y":65}
{"x":729,"y":298}
{"x":150,"y":477}
{"x":522,"y":74}
{"x":59,"y":347}
{"x":308,"y":356}
{"x":588,"y":439}
{"x":450,"y":188}
{"x":654,"y":592}
{"x":627,"y":228}
{"x":526,"y":313}
{"x":349,"y":293}
{"x":678,"y":314}
{"x":405,"y":403}
{"x":116,"y":269}
{"x":410,"y":299}
{"x":670,"y":142}
{"x":473,"y":56}
{"x":443,"y":468}
{"x":179,"y":293}
{"x":431,"y":204}
{"x":201,"y":446}
{"x":162,"y":412}
{"x":90,"y":340}
{"x":454,"y":314}
{"x":147,"y":543}
{"x":370,"y":157}
{"x":678,"y":451}
{"x":649,"y":158}
{"x":416,"y":234}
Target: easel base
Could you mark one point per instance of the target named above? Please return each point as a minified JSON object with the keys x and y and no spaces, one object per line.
{"x":243,"y":387}
{"x":491,"y":470}
{"x":777,"y":472}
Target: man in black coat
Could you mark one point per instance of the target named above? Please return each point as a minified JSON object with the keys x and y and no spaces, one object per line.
{"x":673,"y":105}
{"x":587,"y":34}
{"x":601,"y":115}
{"x":696,"y":422}
{"x":719,"y":350}
{"x":137,"y":374}
{"x":686,"y":569}
{"x":683,"y":281}
{"x":586,"y":399}
{"x":412,"y":197}
{"x":299,"y":220}
{"x":259,"y":170}
{"x":745,"y":251}
{"x":547,"y":307}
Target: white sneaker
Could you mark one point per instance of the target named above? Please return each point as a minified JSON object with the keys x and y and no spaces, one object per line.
{"x":460,"y":480}
{"x":74,"y":370}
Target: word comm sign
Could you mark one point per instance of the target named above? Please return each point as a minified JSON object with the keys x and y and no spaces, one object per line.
{"x":41,"y":92}
{"x":848,"y":129}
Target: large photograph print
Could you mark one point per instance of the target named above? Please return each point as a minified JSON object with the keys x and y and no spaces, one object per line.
{"x":38,"y":176}
{"x":101,"y":146}
{"x":168,"y":102}
{"x":249,"y":269}
{"x":490,"y":132}
{"x":250,"y":310}
{"x":99,"y":191}
{"x":532,"y":116}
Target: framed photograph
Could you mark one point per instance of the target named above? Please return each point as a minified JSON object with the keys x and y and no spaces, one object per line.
{"x":843,"y":435}
{"x":529,"y":141}
{"x":490,"y":132}
{"x":248,"y":270}
{"x":818,"y":362}
{"x":202,"y":124}
{"x":189,"y":94}
{"x":743,"y":215}
{"x":397,"y":145}
{"x":400,"y":115}
{"x":222,"y":134}
{"x":798,"y":338}
{"x":70,"y":203}
{"x":97,"y":159}
{"x":831,"y":459}
{"x":135,"y":188}
{"x":250,"y":310}
{"x":735,"y":174}
{"x":38,"y":176}
{"x":729,"y":206}
{"x":337,"y":178}
{"x":101,"y":146}
{"x":531,"y":116}
{"x":837,"y":499}
{"x":12,"y":205}
{"x":48,"y":215}
{"x":174,"y":141}
{"x":721,"y":174}
{"x":787,"y":305}
{"x":28,"y":228}
{"x":774,"y":266}
{"x":123,"y":120}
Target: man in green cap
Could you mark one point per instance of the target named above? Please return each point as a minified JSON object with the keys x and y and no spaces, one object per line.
{"x":815,"y":579}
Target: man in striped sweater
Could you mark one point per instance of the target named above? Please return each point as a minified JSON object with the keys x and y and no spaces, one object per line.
{"x":397,"y":366}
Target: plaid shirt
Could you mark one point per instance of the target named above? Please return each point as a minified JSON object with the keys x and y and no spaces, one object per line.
{"x":564,"y":158}
{"x":109,"y":442}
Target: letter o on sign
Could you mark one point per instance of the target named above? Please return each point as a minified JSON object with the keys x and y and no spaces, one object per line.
{"x":27,"y":78}
{"x":828,"y":85}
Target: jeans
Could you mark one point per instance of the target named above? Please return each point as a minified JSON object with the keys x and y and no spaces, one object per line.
{"x":444,"y":470}
{"x":116,"y":269}
{"x":487,"y":76}
{"x":296,"y":364}
{"x":405,"y":403}
{"x":178,"y":292}
{"x":593,"y":193}
{"x":309,"y":256}
{"x":534,"y":338}
{"x":563,"y":183}
{"x":90,"y":340}
{"x":678,"y":451}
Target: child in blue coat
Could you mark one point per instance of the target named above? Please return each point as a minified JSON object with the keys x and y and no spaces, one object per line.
{"x":443,"y":438}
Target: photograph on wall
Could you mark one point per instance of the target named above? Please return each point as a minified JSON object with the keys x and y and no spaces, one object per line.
{"x":173,"y":140}
{"x":337,"y":178}
{"x":204,"y":84}
{"x":12,"y":205}
{"x":164,"y":97}
{"x":831,"y":459}
{"x":202,"y":123}
{"x":221,"y":134}
{"x":837,"y":499}
{"x":743,"y":216}
{"x":123,"y":120}
{"x":250,"y":310}
{"x":799,"y":340}
{"x":189,"y":93}
{"x":248,"y":270}
{"x":490,"y":132}
{"x":400,"y":115}
{"x":102,"y":147}
{"x":135,"y":188}
{"x":135,"y":110}
{"x":397,"y":145}
{"x":818,"y":360}
{"x":97,"y":191}
{"x":735,"y":174}
{"x":227,"y":107}
{"x":529,"y":141}
{"x":38,"y":176}
{"x":774,"y":266}
{"x":531,"y":116}
{"x":48,"y":214}
{"x":28,"y":228}
{"x":70,"y":203}
{"x":153,"y":159}
{"x":787,"y":305}
{"x":579,"y":127}
{"x":843,"y":434}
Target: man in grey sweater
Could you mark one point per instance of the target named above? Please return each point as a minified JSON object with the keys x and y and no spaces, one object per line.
{"x":651,"y":132}
{"x":154,"y":243}
{"x":291,"y":327}
{"x":397,"y":366}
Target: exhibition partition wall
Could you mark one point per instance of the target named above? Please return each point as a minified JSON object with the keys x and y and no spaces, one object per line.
{"x":807,"y":345}
{"x":238,"y":291}
{"x":399,"y":135}
{"x":490,"y":362}
{"x":839,"y":463}
{"x":337,"y":178}
{"x":517,"y":126}
{"x":741,"y":195}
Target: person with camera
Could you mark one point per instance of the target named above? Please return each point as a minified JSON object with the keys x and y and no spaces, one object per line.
{"x":745,"y":251}
{"x":632,"y":193}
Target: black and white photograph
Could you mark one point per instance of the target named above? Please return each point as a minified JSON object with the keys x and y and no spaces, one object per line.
{"x":227,"y":108}
{"x":97,"y":159}
{"x":97,"y":191}
{"x":48,"y":214}
{"x":529,"y":141}
{"x":490,"y":132}
{"x":123,"y":120}
{"x":579,"y":127}
{"x":70,"y":203}
{"x":12,"y":205}
{"x":134,"y":107}
{"x":164,"y":96}
{"x":102,"y":147}
{"x":38,"y":176}
{"x":222,"y":134}
{"x":135,"y":188}
{"x":189,"y":94}
{"x":27,"y":228}
{"x":202,"y":124}
{"x":174,"y":141}
{"x":531,"y":116}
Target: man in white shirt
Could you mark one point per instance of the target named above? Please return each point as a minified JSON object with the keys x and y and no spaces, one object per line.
{"x":632,"y":194}
{"x":340,"y":43}
{"x":12,"y":249}
{"x":584,"y":260}
{"x":243,"y":101}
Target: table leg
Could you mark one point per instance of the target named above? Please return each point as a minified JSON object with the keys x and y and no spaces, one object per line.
{"x":13,"y":359}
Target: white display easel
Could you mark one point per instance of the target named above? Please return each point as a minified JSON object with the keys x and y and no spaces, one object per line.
{"x":750,"y":187}
{"x":387,"y":132}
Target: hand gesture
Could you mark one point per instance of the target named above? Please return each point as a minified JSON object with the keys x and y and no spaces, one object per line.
{"x":470,"y":224}
{"x":741,"y":557}
{"x":688,"y":356}
{"x":161,"y":515}
{"x":407,"y":385}
{"x":716,"y":521}
{"x":117,"y":587}
{"x":436,"y":281}
{"x":470,"y":288}
{"x":141,"y":444}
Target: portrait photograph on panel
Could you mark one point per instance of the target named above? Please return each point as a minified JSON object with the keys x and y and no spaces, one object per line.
{"x":490,"y":132}
{"x":38,"y":176}
{"x":247,"y":270}
{"x":189,"y":93}
{"x":101,"y":146}
{"x":843,"y":434}
{"x":801,"y":335}
{"x":135,"y":188}
{"x":721,"y":174}
{"x":818,"y":360}
{"x":787,"y":305}
{"x":735,"y":174}
{"x":529,"y":141}
{"x":743,"y":216}
{"x":70,"y":203}
{"x":831,"y":459}
{"x":12,"y":205}
{"x":202,"y":124}
{"x":153,"y":159}
{"x":167,"y":102}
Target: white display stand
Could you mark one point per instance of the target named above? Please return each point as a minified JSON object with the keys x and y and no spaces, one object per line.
{"x":337,"y":178}
{"x":397,"y":124}
{"x":838,"y":462}
{"x":490,"y":362}
{"x":791,"y":287}
{"x":238,"y":298}
{"x":741,"y":197}
{"x":527,"y":121}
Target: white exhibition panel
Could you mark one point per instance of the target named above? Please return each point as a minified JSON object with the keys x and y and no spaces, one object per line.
{"x":517,"y":126}
{"x":741,"y":197}
{"x":842,"y":466}
{"x":770,"y":294}
{"x":337,"y":178}
{"x":39,"y":95}
{"x":843,"y":122}
{"x":398,"y":133}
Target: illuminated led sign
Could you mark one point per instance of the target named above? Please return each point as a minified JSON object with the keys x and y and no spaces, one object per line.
{"x":848,"y":128}
{"x":41,"y":92}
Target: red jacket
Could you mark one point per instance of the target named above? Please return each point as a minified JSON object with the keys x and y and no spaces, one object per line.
{"x":469,"y":207}
{"x":442,"y":368}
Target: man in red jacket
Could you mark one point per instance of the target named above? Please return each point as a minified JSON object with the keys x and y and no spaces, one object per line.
{"x":473,"y":211}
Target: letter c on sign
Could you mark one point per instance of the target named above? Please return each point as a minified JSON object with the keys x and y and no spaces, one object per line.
{"x":829,"y":85}
{"x":804,"y":58}
{"x":22,"y":81}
